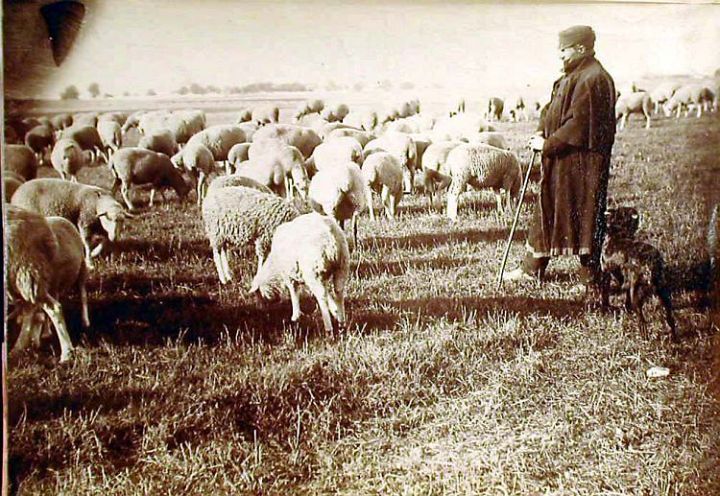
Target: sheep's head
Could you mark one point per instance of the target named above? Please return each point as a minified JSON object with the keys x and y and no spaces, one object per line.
{"x":112,"y":215}
{"x":265,"y":290}
{"x":622,"y":222}
{"x":300,"y":179}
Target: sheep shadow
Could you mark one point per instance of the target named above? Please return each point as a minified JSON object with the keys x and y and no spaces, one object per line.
{"x":366,"y":270}
{"x":159,"y":249}
{"x":433,"y":240}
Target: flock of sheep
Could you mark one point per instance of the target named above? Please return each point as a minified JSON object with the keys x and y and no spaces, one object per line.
{"x":284,"y":190}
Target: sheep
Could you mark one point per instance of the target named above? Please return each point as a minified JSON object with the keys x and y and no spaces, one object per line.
{"x":266,"y":114}
{"x":85,"y":119}
{"x":340,"y":192}
{"x":303,"y":138}
{"x":40,"y":139}
{"x":461,"y":126}
{"x":110,"y":133}
{"x":198,"y":161}
{"x":633,"y":103}
{"x":11,"y":135}
{"x":187,"y":123}
{"x":238,"y":153}
{"x":457,"y":108}
{"x":492,"y":138}
{"x":435,"y":173}
{"x":249,"y":129}
{"x":118,"y":117}
{"x":88,"y":138}
{"x":68,"y":271}
{"x":67,"y":158}
{"x":517,"y":109}
{"x":235,"y":217}
{"x":404,"y":149}
{"x":384,"y":174}
{"x":362,"y":137}
{"x":687,"y":95}
{"x":11,"y":182}
{"x":245,"y":115}
{"x":309,"y":107}
{"x":160,"y":141}
{"x":662,"y":93}
{"x":219,"y":139}
{"x":365,"y":120}
{"x":139,"y":166}
{"x":278,"y":166}
{"x":61,"y":121}
{"x":93,"y":210}
{"x":31,"y":250}
{"x":310,"y":249}
{"x":482,"y":166}
{"x":235,"y":180}
{"x":21,"y":160}
{"x":336,"y":112}
{"x":495,"y":108}
{"x":635,"y":266}
{"x":334,"y":151}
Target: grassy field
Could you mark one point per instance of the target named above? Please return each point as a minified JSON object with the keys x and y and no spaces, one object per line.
{"x":441,"y":385}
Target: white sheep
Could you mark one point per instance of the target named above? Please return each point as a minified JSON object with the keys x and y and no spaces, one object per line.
{"x":31,"y":251}
{"x":686,"y":96}
{"x":88,"y":138}
{"x":662,"y":93}
{"x":435,"y":173}
{"x":383,"y":174}
{"x":310,"y":249}
{"x":236,"y":217}
{"x":482,"y":166}
{"x":266,"y":114}
{"x":197,"y":160}
{"x":340,"y":192}
{"x":335,"y":112}
{"x":161,"y":141}
{"x":111,"y":135}
{"x":334,"y":151}
{"x":236,"y":180}
{"x":238,"y":153}
{"x":302,"y":138}
{"x":21,"y":160}
{"x":278,"y":166}
{"x":492,"y":138}
{"x":403,"y":147}
{"x":137,"y":166}
{"x":93,"y":210}
{"x":495,"y":108}
{"x":363,"y":137}
{"x":11,"y":182}
{"x":638,"y":102}
{"x":67,"y":158}
{"x":309,"y":107}
{"x":40,"y":139}
{"x":459,"y":127}
{"x":244,"y":115}
{"x":366,"y":120}
{"x":249,"y":129}
{"x":219,"y":139}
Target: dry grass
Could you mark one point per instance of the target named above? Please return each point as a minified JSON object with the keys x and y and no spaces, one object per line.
{"x":442,"y":385}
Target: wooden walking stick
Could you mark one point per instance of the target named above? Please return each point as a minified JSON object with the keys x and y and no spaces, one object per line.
{"x":515,"y":220}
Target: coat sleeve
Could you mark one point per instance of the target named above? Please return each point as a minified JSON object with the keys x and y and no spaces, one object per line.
{"x":573,"y":131}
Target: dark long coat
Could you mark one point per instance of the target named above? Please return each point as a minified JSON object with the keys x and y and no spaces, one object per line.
{"x":579,"y":129}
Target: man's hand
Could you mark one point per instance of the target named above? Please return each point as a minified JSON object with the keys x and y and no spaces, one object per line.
{"x":536,"y":143}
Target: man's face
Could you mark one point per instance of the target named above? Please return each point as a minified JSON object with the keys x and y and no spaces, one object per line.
{"x":570,"y":54}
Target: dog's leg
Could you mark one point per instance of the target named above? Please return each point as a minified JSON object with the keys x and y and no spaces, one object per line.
{"x":666,"y":300}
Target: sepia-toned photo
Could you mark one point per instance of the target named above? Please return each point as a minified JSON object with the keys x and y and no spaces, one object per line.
{"x":365,"y":247}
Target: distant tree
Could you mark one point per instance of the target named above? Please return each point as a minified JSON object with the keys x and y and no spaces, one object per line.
{"x":359,"y":86}
{"x":212,"y":89}
{"x":108,"y":95}
{"x":126,"y":93}
{"x":151,"y":92}
{"x":184,"y":90}
{"x":332,"y":86}
{"x":94,"y":90}
{"x":197,"y":89}
{"x":70,"y":93}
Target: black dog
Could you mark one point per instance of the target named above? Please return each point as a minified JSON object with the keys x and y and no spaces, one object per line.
{"x":636,"y":267}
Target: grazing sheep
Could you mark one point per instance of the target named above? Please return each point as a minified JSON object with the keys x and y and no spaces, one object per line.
{"x":309,"y":107}
{"x":238,"y":153}
{"x":88,"y":138}
{"x":61,"y":121}
{"x":235,"y":180}
{"x":278,"y":166}
{"x":198,"y":161}
{"x":160,"y":141}
{"x":334,"y":151}
{"x":517,"y":109}
{"x":67,"y":158}
{"x":249,"y":129}
{"x":310,"y":249}
{"x":335,"y":113}
{"x":383,"y":174}
{"x":686,"y":96}
{"x":362,"y":137}
{"x":40,"y":139}
{"x":662,"y":93}
{"x":118,"y":117}
{"x":139,"y":166}
{"x":482,"y":166}
{"x":492,"y":138}
{"x":403,"y":147}
{"x":460,"y":127}
{"x":219,"y":139}
{"x":302,"y":138}
{"x":110,"y":133}
{"x":21,"y":160}
{"x":187,"y":123}
{"x":633,"y":103}
{"x":85,"y":119}
{"x":266,"y":114}
{"x":31,"y":250}
{"x":93,"y":210}
{"x":636,"y":267}
{"x":495,"y":108}
{"x":11,"y":182}
{"x":235,"y":217}
{"x":457,"y":108}
{"x":436,"y":174}
{"x":365,"y":120}
{"x":340,"y":192}
{"x":245,"y":115}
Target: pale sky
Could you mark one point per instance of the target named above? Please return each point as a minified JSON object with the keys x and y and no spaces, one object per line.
{"x":136,"y":45}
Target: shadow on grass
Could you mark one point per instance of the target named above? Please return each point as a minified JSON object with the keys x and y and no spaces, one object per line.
{"x":161,"y":250}
{"x":431,"y":240}
{"x":373,"y":269}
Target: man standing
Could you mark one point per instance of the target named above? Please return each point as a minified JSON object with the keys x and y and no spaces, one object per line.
{"x":575,"y":136}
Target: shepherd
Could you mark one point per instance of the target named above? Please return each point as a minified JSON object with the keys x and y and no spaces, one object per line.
{"x":575,"y":136}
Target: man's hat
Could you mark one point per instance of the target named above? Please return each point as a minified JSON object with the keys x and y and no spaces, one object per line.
{"x":577,"y":35}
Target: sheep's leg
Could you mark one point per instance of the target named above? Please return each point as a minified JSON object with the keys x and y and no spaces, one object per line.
{"x":294,"y":299}
{"x":25,"y":318}
{"x":336,"y":302}
{"x":320,"y":293}
{"x":452,"y":206}
{"x":498,"y":201}
{"x":647,"y":121}
{"x":125,"y":192}
{"x":84,"y":299}
{"x":219,"y":265}
{"x":228,"y":168}
{"x":386,"y":201}
{"x":152,"y":197}
{"x":225,"y":257}
{"x":699,"y":111}
{"x":53,"y":309}
{"x":88,"y":251}
{"x":354,"y":227}
{"x":369,"y":200}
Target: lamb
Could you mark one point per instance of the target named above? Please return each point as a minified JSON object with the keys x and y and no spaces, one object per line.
{"x":235,"y":217}
{"x":266,"y":114}
{"x":404,"y":149}
{"x":334,"y":151}
{"x":278,"y":166}
{"x":362,"y":137}
{"x":219,"y":139}
{"x":21,"y":160}
{"x":633,"y":103}
{"x":309,"y":107}
{"x":110,"y":133}
{"x":384,"y":174}
{"x":635,"y":266}
{"x":40,"y":139}
{"x":436,"y":174}
{"x":495,"y":108}
{"x":340,"y":192}
{"x":235,"y":180}
{"x":93,"y":210}
{"x":303,"y":138}
{"x":198,"y":161}
{"x":67,"y":158}
{"x":160,"y":141}
{"x":335,"y":113}
{"x":313,"y":250}
{"x":11,"y":182}
{"x":662,"y":93}
{"x":88,"y":138}
{"x":139,"y":166}
{"x":482,"y":166}
{"x":32,"y":248}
